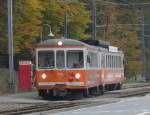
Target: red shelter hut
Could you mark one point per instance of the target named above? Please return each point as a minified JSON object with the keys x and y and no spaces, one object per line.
{"x":25,"y":76}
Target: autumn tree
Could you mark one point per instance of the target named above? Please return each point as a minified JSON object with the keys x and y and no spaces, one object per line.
{"x":3,"y":25}
{"x":3,"y":32}
{"x":117,"y":24}
{"x":29,"y":17}
{"x":77,"y":17}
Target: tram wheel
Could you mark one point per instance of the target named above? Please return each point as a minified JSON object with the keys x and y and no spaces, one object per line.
{"x":102,"y":89}
{"x":119,"y":86}
{"x":42,"y":93}
{"x":86,"y":93}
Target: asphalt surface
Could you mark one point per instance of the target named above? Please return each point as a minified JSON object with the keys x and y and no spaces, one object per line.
{"x":127,"y":106}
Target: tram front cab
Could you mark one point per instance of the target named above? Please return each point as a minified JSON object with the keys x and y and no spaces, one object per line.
{"x":62,"y":68}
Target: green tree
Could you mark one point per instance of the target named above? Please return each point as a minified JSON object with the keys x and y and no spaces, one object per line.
{"x":3,"y":33}
{"x":29,"y":17}
{"x":78,"y":17}
{"x":3,"y":27}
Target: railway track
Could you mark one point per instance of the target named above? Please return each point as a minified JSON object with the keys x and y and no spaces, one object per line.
{"x":85,"y":102}
{"x":42,"y":107}
{"x":135,"y":85}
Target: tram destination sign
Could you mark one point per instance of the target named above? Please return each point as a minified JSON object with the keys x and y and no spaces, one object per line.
{"x":113,"y":49}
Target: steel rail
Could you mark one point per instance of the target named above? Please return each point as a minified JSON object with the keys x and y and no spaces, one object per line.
{"x":127,"y":92}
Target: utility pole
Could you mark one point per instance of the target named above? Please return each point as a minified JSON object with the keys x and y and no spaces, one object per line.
{"x":65,"y":24}
{"x":143,"y":42}
{"x":10,"y":47}
{"x":94,"y":19}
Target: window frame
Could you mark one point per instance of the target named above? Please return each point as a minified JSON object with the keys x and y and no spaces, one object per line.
{"x":83,"y":59}
{"x":37,"y":60}
{"x":64,"y":49}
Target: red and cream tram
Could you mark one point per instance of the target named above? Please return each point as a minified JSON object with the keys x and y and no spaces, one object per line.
{"x":65,"y":66}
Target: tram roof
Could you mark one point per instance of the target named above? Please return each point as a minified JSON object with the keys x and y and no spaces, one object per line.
{"x":66,"y":42}
{"x":70,"y":42}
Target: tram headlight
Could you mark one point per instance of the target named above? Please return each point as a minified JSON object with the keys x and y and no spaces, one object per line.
{"x":60,"y":43}
{"x":77,"y":76}
{"x":43,"y":76}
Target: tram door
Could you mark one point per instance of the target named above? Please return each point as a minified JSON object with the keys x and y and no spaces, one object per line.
{"x":60,"y":65}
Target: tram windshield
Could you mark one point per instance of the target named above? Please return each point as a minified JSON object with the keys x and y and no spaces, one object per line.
{"x":46,"y":59}
{"x":60,"y":59}
{"x":75,"y":59}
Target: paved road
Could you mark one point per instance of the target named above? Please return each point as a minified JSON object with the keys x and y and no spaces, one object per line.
{"x":31,"y":97}
{"x":130,"y":106}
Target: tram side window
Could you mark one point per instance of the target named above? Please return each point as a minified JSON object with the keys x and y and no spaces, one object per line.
{"x":122,"y":62}
{"x":107,"y":61}
{"x":103,"y":61}
{"x":99,"y":60}
{"x":112,"y":65}
{"x":93,"y":57}
{"x":115,"y":61}
{"x":60,"y":59}
{"x":119,"y":62}
{"x":46,"y":59}
{"x":111,"y":61}
{"x":75,"y":59}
